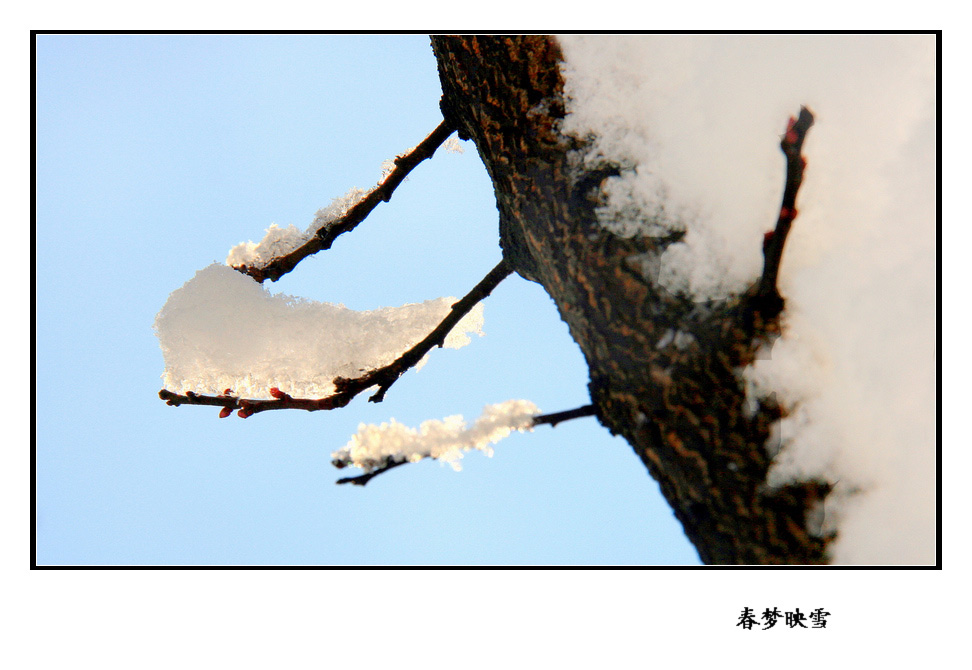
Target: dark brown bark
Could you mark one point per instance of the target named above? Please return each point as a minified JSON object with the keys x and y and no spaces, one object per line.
{"x":680,"y":405}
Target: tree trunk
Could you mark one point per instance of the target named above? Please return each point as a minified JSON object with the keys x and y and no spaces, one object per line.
{"x":663,"y":368}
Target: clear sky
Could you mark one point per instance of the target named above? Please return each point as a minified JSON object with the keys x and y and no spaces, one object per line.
{"x":155,"y":155}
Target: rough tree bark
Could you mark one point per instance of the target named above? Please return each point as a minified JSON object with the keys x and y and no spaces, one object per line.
{"x":680,"y":403}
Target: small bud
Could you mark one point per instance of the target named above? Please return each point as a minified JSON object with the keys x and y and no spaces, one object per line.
{"x":791,"y":136}
{"x":225,"y":412}
{"x":227,"y":391}
{"x":277,"y":393}
{"x":767,"y":238}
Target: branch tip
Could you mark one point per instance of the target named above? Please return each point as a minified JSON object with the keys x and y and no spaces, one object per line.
{"x":767,"y":299}
{"x":361,"y":480}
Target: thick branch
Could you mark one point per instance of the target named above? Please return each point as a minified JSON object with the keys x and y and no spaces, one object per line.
{"x":768,"y":298}
{"x":681,"y":406}
{"x":347,"y":389}
{"x":326,"y":235}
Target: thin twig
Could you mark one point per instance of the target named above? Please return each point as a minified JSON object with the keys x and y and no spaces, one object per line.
{"x":557,"y":417}
{"x":539,"y":420}
{"x":246,"y":406}
{"x":325,"y":236}
{"x":384,"y":377}
{"x":768,"y":299}
{"x":361,"y":480}
{"x":346,"y":389}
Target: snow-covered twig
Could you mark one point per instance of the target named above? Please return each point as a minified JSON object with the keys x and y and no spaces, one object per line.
{"x":325,"y":236}
{"x":348,"y":388}
{"x":768,"y":299}
{"x":378,"y":449}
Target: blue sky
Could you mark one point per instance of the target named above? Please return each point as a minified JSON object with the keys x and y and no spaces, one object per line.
{"x":155,"y":155}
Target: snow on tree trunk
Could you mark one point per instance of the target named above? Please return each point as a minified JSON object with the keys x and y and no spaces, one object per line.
{"x":666,"y":360}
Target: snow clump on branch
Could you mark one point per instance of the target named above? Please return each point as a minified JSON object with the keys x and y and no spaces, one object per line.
{"x":222,"y":330}
{"x":373,"y":447}
{"x":278,"y":242}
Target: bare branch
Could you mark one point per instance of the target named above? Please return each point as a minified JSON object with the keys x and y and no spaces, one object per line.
{"x":768,"y":299}
{"x":346,"y":389}
{"x":326,"y":235}
{"x":246,"y":406}
{"x":361,"y":480}
{"x":557,"y":417}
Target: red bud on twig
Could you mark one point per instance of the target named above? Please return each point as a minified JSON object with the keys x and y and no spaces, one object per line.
{"x":791,"y":135}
